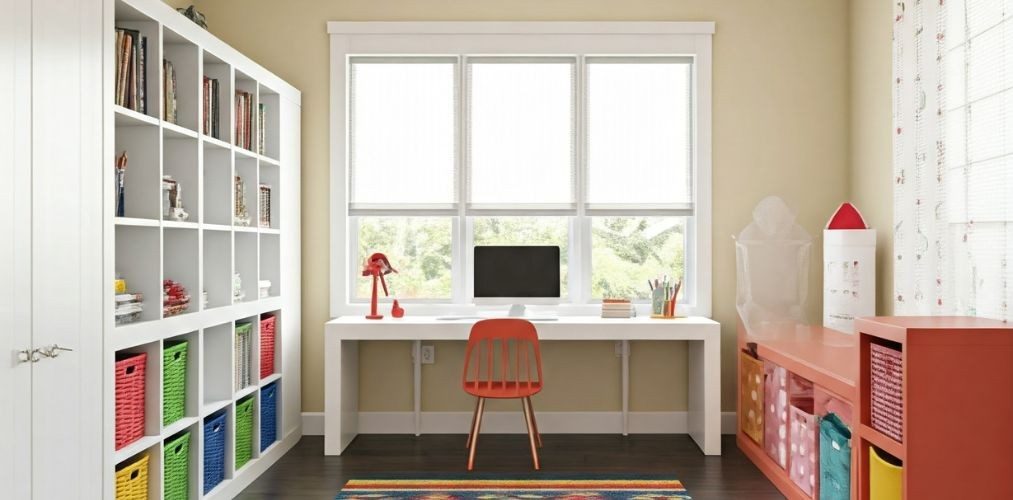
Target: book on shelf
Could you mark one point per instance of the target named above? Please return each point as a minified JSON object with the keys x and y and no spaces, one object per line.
{"x":210,"y":105}
{"x":131,"y":82}
{"x":260,"y":128}
{"x":169,"y":91}
{"x":244,"y":120}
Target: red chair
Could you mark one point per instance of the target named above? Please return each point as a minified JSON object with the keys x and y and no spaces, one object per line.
{"x":505,"y":373}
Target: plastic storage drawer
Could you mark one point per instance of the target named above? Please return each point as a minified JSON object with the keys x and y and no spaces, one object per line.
{"x":215,"y":427}
{"x":751,"y":397}
{"x":244,"y":432}
{"x":177,"y":467}
{"x":132,"y":481}
{"x":267,"y":334}
{"x":268,"y":415}
{"x":775,"y":417}
{"x":129,"y":398}
{"x":885,"y":478}
{"x":803,"y":448}
{"x":174,"y":360}
{"x":835,"y":459}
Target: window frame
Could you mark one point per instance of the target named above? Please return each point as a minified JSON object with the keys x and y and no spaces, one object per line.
{"x":577,"y":40}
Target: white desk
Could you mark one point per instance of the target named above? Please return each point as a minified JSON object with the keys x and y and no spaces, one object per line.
{"x":341,"y":360}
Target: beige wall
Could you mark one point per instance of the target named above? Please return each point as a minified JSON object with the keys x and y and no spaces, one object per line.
{"x":871,"y":137}
{"x":781,"y":126}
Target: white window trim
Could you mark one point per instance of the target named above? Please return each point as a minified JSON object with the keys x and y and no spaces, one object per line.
{"x":692,"y":39}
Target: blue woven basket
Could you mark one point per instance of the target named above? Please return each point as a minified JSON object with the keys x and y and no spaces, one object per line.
{"x":214,"y":451}
{"x":268,"y":415}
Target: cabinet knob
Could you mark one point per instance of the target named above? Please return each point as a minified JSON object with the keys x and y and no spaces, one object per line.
{"x":27,"y":356}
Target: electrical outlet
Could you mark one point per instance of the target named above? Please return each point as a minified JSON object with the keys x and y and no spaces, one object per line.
{"x":428,"y":354}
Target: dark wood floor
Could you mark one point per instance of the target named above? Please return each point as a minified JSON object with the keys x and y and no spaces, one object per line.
{"x":305,"y":473}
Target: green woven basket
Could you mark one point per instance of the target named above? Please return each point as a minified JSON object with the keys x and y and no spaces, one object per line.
{"x":177,"y":467}
{"x":174,"y":382}
{"x":244,"y":432}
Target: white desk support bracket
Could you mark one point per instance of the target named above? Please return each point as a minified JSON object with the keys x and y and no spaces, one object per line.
{"x":417,"y":381}
{"x":625,"y":352}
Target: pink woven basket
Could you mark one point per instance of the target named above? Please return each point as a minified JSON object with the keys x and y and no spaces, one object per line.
{"x":130,"y":399}
{"x":267,"y":325}
{"x":886,"y":378}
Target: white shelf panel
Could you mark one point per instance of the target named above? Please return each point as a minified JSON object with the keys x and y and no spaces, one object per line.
{"x":178,"y":426}
{"x":136,"y":447}
{"x":129,"y":118}
{"x":270,"y":378}
{"x":270,"y":161}
{"x":180,"y":225}
{"x":245,"y":152}
{"x":245,"y":229}
{"x":177,"y":132}
{"x":216,"y":492}
{"x":217,"y":227}
{"x":144,"y":332}
{"x":268,"y":230}
{"x":136,"y":222}
{"x":246,"y":391}
{"x":215,"y":143}
{"x":214,"y":407}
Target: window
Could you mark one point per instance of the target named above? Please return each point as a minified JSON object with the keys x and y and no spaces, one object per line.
{"x":444,"y":141}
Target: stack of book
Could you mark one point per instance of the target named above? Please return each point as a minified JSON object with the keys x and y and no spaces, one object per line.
{"x":617,"y":308}
{"x":169,"y":84}
{"x":129,"y":307}
{"x":244,"y":120}
{"x":211,"y":107}
{"x":131,"y":53}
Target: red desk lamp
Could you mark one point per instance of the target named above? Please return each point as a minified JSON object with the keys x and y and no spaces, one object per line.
{"x":377,"y":266}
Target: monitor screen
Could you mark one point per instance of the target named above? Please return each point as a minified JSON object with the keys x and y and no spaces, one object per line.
{"x":517,"y":271}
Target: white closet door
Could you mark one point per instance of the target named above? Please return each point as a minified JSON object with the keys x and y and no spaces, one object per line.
{"x":67,"y":293}
{"x":15,"y":248}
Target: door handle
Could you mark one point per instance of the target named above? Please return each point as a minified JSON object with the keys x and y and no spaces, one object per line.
{"x":52,"y":351}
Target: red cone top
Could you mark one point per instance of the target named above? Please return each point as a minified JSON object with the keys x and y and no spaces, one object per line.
{"x":847,"y":217}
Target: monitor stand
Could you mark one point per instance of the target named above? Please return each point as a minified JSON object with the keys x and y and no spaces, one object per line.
{"x":516,"y":311}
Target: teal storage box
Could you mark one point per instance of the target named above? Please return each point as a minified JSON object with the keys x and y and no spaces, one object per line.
{"x":835,"y":459}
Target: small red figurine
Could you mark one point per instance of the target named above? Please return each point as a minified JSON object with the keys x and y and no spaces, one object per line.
{"x":377,"y":266}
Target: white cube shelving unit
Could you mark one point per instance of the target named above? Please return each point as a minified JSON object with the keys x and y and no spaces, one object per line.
{"x":203,"y":252}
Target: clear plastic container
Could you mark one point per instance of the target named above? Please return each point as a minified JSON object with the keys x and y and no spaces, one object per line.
{"x":772,"y":268}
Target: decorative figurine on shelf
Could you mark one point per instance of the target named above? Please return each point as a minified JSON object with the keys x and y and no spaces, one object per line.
{"x":377,"y":266}
{"x":172,"y":200}
{"x":175,"y":298}
{"x":121,"y":172}
{"x":237,"y":288}
{"x":265,"y":205}
{"x":240,"y":216}
{"x":396,"y":310}
{"x":192,"y":14}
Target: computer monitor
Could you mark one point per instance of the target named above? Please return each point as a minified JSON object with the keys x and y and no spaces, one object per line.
{"x":516,"y":275}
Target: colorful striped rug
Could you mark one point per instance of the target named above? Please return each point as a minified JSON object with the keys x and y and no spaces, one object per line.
{"x":532,"y":488}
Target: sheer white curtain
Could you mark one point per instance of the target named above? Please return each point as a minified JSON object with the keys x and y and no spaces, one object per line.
{"x":953,"y":157}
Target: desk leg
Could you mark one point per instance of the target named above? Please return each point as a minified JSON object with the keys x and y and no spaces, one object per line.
{"x":705,"y":393}
{"x":625,"y":346}
{"x":417,"y":380}
{"x":341,"y":393}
